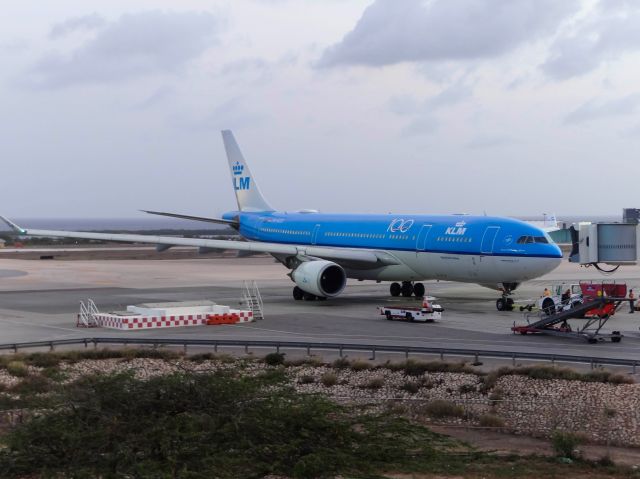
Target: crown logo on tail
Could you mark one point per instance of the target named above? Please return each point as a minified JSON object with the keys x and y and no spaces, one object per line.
{"x":238,"y":168}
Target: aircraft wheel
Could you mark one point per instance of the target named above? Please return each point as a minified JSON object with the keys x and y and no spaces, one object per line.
{"x":395,"y":289}
{"x":298,"y":294}
{"x":407,"y":289}
{"x":309,"y":297}
{"x":501,"y":304}
{"x":418,"y":290}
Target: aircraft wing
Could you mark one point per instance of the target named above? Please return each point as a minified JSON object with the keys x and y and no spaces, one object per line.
{"x":365,"y":257}
{"x":193,"y":218}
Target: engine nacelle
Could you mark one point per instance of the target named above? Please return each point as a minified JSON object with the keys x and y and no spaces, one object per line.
{"x":322,"y":278}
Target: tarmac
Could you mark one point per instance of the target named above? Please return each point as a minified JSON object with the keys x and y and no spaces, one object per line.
{"x":39,"y":301}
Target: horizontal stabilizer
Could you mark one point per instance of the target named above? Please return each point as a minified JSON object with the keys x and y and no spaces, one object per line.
{"x":193,"y":218}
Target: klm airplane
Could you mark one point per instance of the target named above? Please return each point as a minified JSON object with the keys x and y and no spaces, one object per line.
{"x":323,"y":250}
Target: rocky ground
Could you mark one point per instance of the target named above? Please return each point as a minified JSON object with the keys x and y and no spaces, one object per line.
{"x":601,"y":412}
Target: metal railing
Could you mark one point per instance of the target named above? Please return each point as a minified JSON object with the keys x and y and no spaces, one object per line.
{"x":593,"y":361}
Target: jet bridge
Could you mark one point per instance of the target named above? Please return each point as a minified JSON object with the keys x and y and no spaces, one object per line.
{"x":612,"y":244}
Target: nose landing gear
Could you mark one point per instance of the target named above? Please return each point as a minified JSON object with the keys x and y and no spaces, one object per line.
{"x":504,"y":304}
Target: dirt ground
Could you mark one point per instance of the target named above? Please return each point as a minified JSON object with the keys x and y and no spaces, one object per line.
{"x":506,"y":444}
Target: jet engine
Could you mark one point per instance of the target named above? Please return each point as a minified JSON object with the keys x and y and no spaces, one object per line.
{"x":322,"y":278}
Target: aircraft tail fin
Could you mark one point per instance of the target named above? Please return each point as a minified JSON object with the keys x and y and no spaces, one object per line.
{"x":247,"y":192}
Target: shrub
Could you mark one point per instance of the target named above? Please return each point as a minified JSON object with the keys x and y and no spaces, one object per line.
{"x":360,"y":365}
{"x":411,"y":387}
{"x":329,"y":379}
{"x":274,"y":359}
{"x":491,"y":420}
{"x":33,"y":384}
{"x":306,"y":379}
{"x":249,"y":428}
{"x":44,"y":360}
{"x":17,"y":368}
{"x":341,"y":363}
{"x":441,"y":409}
{"x":418,"y":368}
{"x":374,"y":383}
{"x":467,"y":388}
{"x":564,"y":443}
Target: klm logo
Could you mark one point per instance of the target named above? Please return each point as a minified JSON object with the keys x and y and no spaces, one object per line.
{"x":458,"y":229}
{"x":243,"y":182}
{"x":238,"y":169}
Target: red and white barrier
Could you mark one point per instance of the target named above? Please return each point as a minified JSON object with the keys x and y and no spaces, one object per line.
{"x":160,"y":316}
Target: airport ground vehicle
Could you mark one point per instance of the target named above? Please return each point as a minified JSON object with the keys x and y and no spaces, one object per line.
{"x":428,"y":312}
{"x":555,"y":302}
{"x":599,"y":302}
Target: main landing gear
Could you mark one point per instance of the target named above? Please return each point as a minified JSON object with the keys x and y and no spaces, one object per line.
{"x":299,"y":295}
{"x":407,"y":289}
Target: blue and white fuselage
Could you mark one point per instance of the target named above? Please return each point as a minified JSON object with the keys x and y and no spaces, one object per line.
{"x":478,"y":249}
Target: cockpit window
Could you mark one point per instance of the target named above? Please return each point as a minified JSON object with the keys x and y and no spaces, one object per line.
{"x":532,"y":239}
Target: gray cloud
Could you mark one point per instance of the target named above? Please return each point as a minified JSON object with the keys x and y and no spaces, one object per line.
{"x":596,"y":109}
{"x":439,"y":30}
{"x":609,"y":31}
{"x":134,"y":45}
{"x":86,"y":22}
{"x":424,"y":111}
{"x":484,"y":142}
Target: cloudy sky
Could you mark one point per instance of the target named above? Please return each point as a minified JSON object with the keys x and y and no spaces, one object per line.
{"x":513,"y":107}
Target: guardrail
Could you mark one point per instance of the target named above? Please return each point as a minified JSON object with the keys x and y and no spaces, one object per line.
{"x":340,"y":347}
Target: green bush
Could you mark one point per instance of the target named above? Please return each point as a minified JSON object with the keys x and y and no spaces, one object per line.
{"x":418,"y":368}
{"x":33,"y":384}
{"x":329,"y":379}
{"x":360,"y":365}
{"x":564,"y":443}
{"x":374,"y":383}
{"x":306,"y":379}
{"x":441,"y":408}
{"x":491,"y":420}
{"x":43,"y":360}
{"x":17,"y":368}
{"x":219,"y":425}
{"x":411,"y":387}
{"x":274,"y":359}
{"x":467,"y":388}
{"x":341,"y":363}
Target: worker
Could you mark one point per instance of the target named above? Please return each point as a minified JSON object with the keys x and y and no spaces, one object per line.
{"x":565,"y":296}
{"x":632,"y":300}
{"x":546,"y":293}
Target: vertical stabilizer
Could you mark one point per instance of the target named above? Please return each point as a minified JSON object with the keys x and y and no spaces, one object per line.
{"x":247,"y":192}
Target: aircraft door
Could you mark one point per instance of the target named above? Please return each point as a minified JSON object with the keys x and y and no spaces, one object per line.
{"x":314,"y":235}
{"x":421,"y":242}
{"x":488,"y":239}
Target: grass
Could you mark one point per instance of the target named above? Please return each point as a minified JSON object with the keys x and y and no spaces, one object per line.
{"x":441,"y":409}
{"x":490,"y":420}
{"x":329,"y":379}
{"x":17,"y":368}
{"x":374,"y":383}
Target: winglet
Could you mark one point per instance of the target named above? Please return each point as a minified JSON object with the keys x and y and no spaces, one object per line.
{"x":13,"y":226}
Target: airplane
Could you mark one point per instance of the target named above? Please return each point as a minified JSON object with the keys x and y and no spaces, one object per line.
{"x":323,"y":250}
